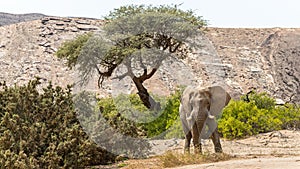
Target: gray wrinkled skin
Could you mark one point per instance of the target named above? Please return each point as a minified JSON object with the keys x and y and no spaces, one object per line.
{"x":198,"y":109}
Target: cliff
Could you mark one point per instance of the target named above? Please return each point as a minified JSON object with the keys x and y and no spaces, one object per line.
{"x":244,"y":59}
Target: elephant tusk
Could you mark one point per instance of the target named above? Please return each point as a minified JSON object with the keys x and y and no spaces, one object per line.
{"x":210,"y":116}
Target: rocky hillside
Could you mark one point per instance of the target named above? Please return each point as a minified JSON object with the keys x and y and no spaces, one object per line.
{"x":263,"y":59}
{"x":7,"y":19}
{"x":241,"y":59}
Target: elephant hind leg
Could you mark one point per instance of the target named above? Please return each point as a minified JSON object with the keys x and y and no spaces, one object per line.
{"x":216,"y":140}
{"x":187,"y":144}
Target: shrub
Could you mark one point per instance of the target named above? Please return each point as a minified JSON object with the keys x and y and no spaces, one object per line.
{"x":175,"y":131}
{"x":256,"y":114}
{"x":245,"y":117}
{"x":289,"y":114}
{"x":128,"y":115}
{"x":116,"y":112}
{"x":261,"y":100}
{"x":167,"y":119}
{"x":40,"y":130}
{"x":240,"y":119}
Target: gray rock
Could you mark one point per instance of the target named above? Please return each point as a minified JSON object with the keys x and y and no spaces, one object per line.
{"x":8,"y":19}
{"x":87,"y":27}
{"x":2,"y":54}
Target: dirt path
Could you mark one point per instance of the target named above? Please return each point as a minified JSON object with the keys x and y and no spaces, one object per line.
{"x":279,"y":149}
{"x":257,"y":163}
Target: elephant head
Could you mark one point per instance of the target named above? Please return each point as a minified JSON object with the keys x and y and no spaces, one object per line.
{"x":198,"y":109}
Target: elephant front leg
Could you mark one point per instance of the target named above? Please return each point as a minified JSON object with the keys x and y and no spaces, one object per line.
{"x":216,"y":140}
{"x":187,"y":143}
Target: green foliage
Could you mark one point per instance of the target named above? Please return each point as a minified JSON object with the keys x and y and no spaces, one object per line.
{"x":290,"y":116}
{"x":115,"y":110}
{"x":257,"y":114}
{"x":40,"y":130}
{"x":261,"y":100}
{"x":126,"y":44}
{"x":127,"y":115}
{"x":176,"y":130}
{"x":130,"y":10}
{"x":128,"y":34}
{"x":168,"y":117}
{"x":71,"y":49}
{"x":239,"y":119}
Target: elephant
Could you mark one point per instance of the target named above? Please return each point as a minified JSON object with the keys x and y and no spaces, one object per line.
{"x":198,"y":108}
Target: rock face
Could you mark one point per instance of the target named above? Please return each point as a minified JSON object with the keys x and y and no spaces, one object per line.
{"x":241,"y":59}
{"x":7,"y":19}
{"x":262,"y":59}
{"x":27,"y":49}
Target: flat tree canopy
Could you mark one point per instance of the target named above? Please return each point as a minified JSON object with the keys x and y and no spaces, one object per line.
{"x":135,"y":39}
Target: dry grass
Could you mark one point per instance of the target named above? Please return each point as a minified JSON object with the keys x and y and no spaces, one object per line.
{"x":153,"y":163}
{"x":173,"y":159}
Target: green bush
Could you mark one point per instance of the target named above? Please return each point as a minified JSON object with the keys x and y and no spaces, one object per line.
{"x":249,"y":116}
{"x":111,"y":111}
{"x":290,"y":116}
{"x":129,"y":116}
{"x":167,"y":122}
{"x":240,"y":119}
{"x":261,"y":100}
{"x":40,"y":130}
{"x":176,"y":130}
{"x":256,"y":114}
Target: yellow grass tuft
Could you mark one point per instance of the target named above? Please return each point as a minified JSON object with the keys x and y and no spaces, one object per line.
{"x":174,"y":159}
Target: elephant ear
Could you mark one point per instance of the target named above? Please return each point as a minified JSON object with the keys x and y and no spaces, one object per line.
{"x":219,"y":99}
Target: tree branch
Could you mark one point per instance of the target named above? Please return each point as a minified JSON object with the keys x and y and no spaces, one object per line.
{"x":146,"y":76}
{"x":142,"y":64}
{"x":106,"y":74}
{"x":121,"y":76}
{"x":176,"y":47}
{"x":98,"y":70}
{"x":100,"y":81}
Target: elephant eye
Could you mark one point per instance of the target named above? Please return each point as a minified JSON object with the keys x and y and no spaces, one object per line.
{"x":206,"y":102}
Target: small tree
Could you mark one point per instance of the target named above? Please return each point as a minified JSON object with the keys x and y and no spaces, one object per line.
{"x":135,"y":39}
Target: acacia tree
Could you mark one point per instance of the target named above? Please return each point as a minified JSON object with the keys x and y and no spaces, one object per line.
{"x":134,"y":41}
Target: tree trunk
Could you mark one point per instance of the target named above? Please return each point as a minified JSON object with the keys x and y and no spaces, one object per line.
{"x":147,"y":100}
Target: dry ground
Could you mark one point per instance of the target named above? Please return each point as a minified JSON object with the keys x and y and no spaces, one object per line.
{"x":278,"y":149}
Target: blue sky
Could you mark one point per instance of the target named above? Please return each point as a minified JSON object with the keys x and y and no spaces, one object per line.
{"x":220,"y":13}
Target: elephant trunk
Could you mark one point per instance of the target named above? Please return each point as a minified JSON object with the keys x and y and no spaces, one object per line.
{"x":201,"y":121}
